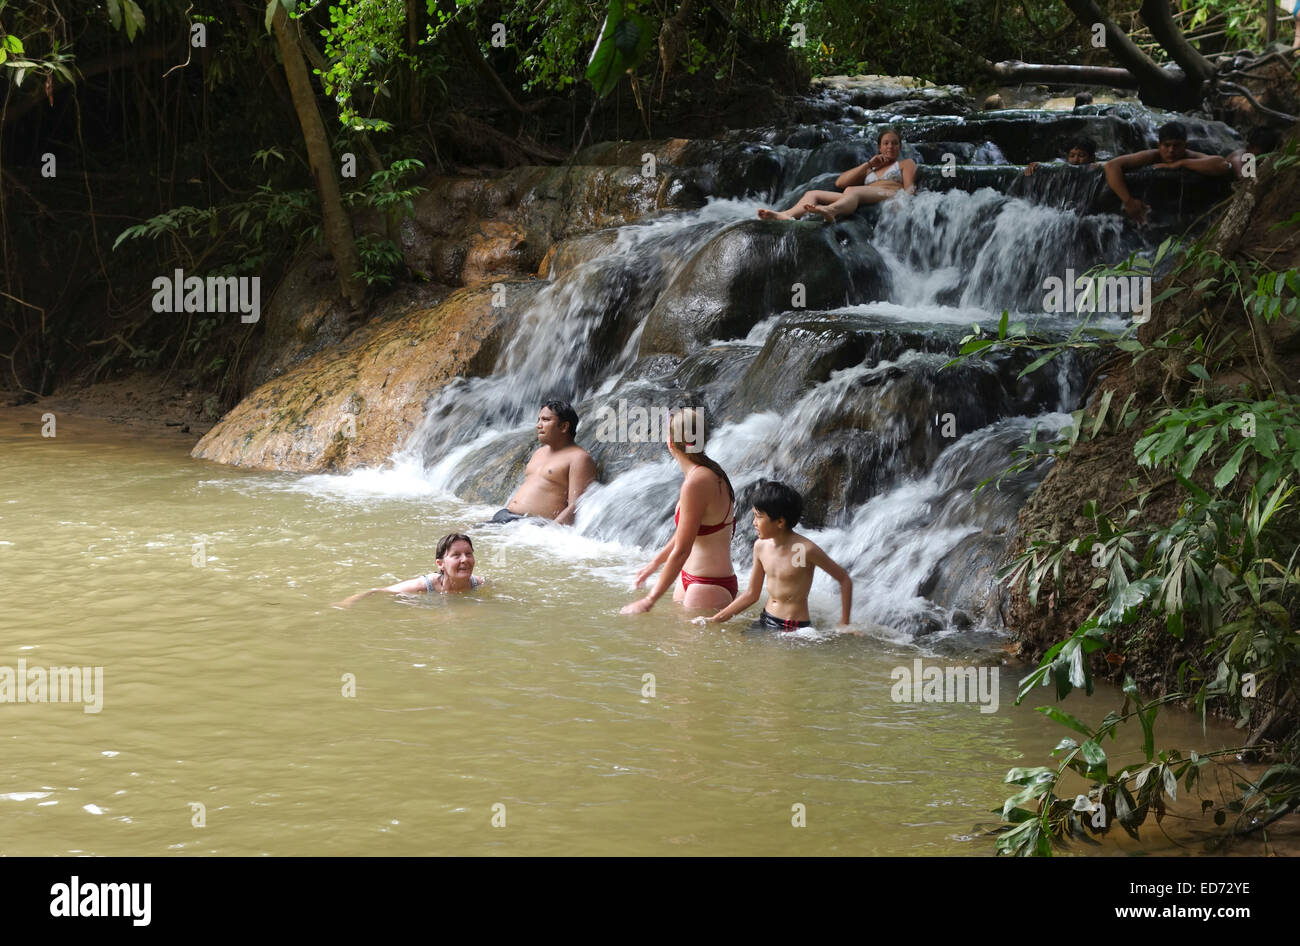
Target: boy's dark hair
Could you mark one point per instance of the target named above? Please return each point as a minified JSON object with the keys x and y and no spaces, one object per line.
{"x":447,"y":541}
{"x":1264,"y":138}
{"x":1083,"y":143}
{"x":777,"y":501}
{"x":1172,"y":131}
{"x":564,"y":411}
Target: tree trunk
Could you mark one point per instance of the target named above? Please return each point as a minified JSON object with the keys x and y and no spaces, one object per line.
{"x":415,"y":17}
{"x":1112,"y":76}
{"x":1155,"y":85}
{"x":335,"y":223}
{"x":1158,"y":18}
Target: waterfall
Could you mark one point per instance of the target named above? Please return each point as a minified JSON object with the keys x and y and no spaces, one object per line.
{"x":850,"y":403}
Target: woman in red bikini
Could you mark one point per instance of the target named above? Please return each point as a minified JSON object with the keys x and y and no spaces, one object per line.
{"x":700,"y":549}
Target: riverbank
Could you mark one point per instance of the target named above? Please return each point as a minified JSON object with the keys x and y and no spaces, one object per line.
{"x":142,"y":401}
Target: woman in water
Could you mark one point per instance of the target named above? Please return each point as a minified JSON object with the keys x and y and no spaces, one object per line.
{"x":455,"y":557}
{"x":878,"y":179}
{"x":700,"y":549}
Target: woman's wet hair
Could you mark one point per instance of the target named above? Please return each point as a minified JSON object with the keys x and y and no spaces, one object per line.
{"x":564,"y":411}
{"x":888,"y":130}
{"x":686,"y":433}
{"x":777,"y":501}
{"x":1084,"y":144}
{"x":447,"y":541}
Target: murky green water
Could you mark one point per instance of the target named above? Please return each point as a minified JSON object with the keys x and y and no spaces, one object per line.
{"x":223,"y":685}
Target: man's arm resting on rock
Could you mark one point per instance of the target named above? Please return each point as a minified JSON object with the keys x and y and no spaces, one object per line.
{"x":1116,"y":167}
{"x":582,"y":473}
{"x":1210,"y":165}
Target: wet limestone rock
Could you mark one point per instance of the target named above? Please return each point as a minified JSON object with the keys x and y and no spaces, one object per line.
{"x":495,"y":249}
{"x":353,"y":405}
{"x":306,"y":315}
{"x":466,"y":231}
{"x":567,"y":254}
{"x":754,"y":270}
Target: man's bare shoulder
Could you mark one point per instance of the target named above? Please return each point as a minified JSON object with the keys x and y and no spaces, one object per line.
{"x":1136,"y":158}
{"x":573,"y":455}
{"x":804,"y":542}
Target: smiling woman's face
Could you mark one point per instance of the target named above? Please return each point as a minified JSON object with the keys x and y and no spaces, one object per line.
{"x":458,"y":560}
{"x":890,"y":145}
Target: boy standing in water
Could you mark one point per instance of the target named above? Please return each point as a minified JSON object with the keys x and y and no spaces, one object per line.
{"x":789,"y":560}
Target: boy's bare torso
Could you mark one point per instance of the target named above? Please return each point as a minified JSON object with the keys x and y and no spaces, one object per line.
{"x":789,"y":573}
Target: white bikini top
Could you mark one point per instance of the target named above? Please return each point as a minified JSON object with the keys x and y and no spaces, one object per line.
{"x":429,"y":579}
{"x":895,"y":173}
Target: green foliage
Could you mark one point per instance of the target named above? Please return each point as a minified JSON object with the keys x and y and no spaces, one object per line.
{"x":1126,"y":797}
{"x":383,"y":192}
{"x":1219,"y":575}
{"x":555,"y":38}
{"x":365,"y":48}
{"x":256,"y":226}
{"x":625,"y":38}
{"x":250,"y":224}
{"x":936,"y":40}
{"x":126,"y":14}
{"x":1242,"y":21}
{"x":20,"y":59}
{"x":381,"y":260}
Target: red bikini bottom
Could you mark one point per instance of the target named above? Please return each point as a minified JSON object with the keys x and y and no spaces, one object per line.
{"x":730,"y":582}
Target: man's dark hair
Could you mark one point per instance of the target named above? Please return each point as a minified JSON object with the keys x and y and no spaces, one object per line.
{"x":1264,"y":138}
{"x":564,"y":411}
{"x":447,"y":541}
{"x":1172,"y":131}
{"x":1083,"y":143}
{"x":777,"y":501}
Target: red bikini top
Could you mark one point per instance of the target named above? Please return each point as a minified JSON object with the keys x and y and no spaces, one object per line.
{"x":708,"y":530}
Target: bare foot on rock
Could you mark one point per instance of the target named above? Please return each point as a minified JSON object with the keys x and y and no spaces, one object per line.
{"x":822,"y":211}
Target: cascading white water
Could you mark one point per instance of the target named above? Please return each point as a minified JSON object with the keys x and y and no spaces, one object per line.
{"x":550,"y":339}
{"x":976,"y":249}
{"x":954,"y":257}
{"x":988,"y":250}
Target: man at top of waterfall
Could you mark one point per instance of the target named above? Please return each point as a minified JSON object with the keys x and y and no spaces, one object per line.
{"x":699,"y":549}
{"x":558,"y":472}
{"x":883,"y":177}
{"x":1171,"y":152}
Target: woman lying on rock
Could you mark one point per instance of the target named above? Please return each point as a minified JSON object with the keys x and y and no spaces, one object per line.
{"x":455,"y":557}
{"x":879,"y":179}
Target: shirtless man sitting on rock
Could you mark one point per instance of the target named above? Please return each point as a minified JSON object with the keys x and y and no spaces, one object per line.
{"x":557,"y":474}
